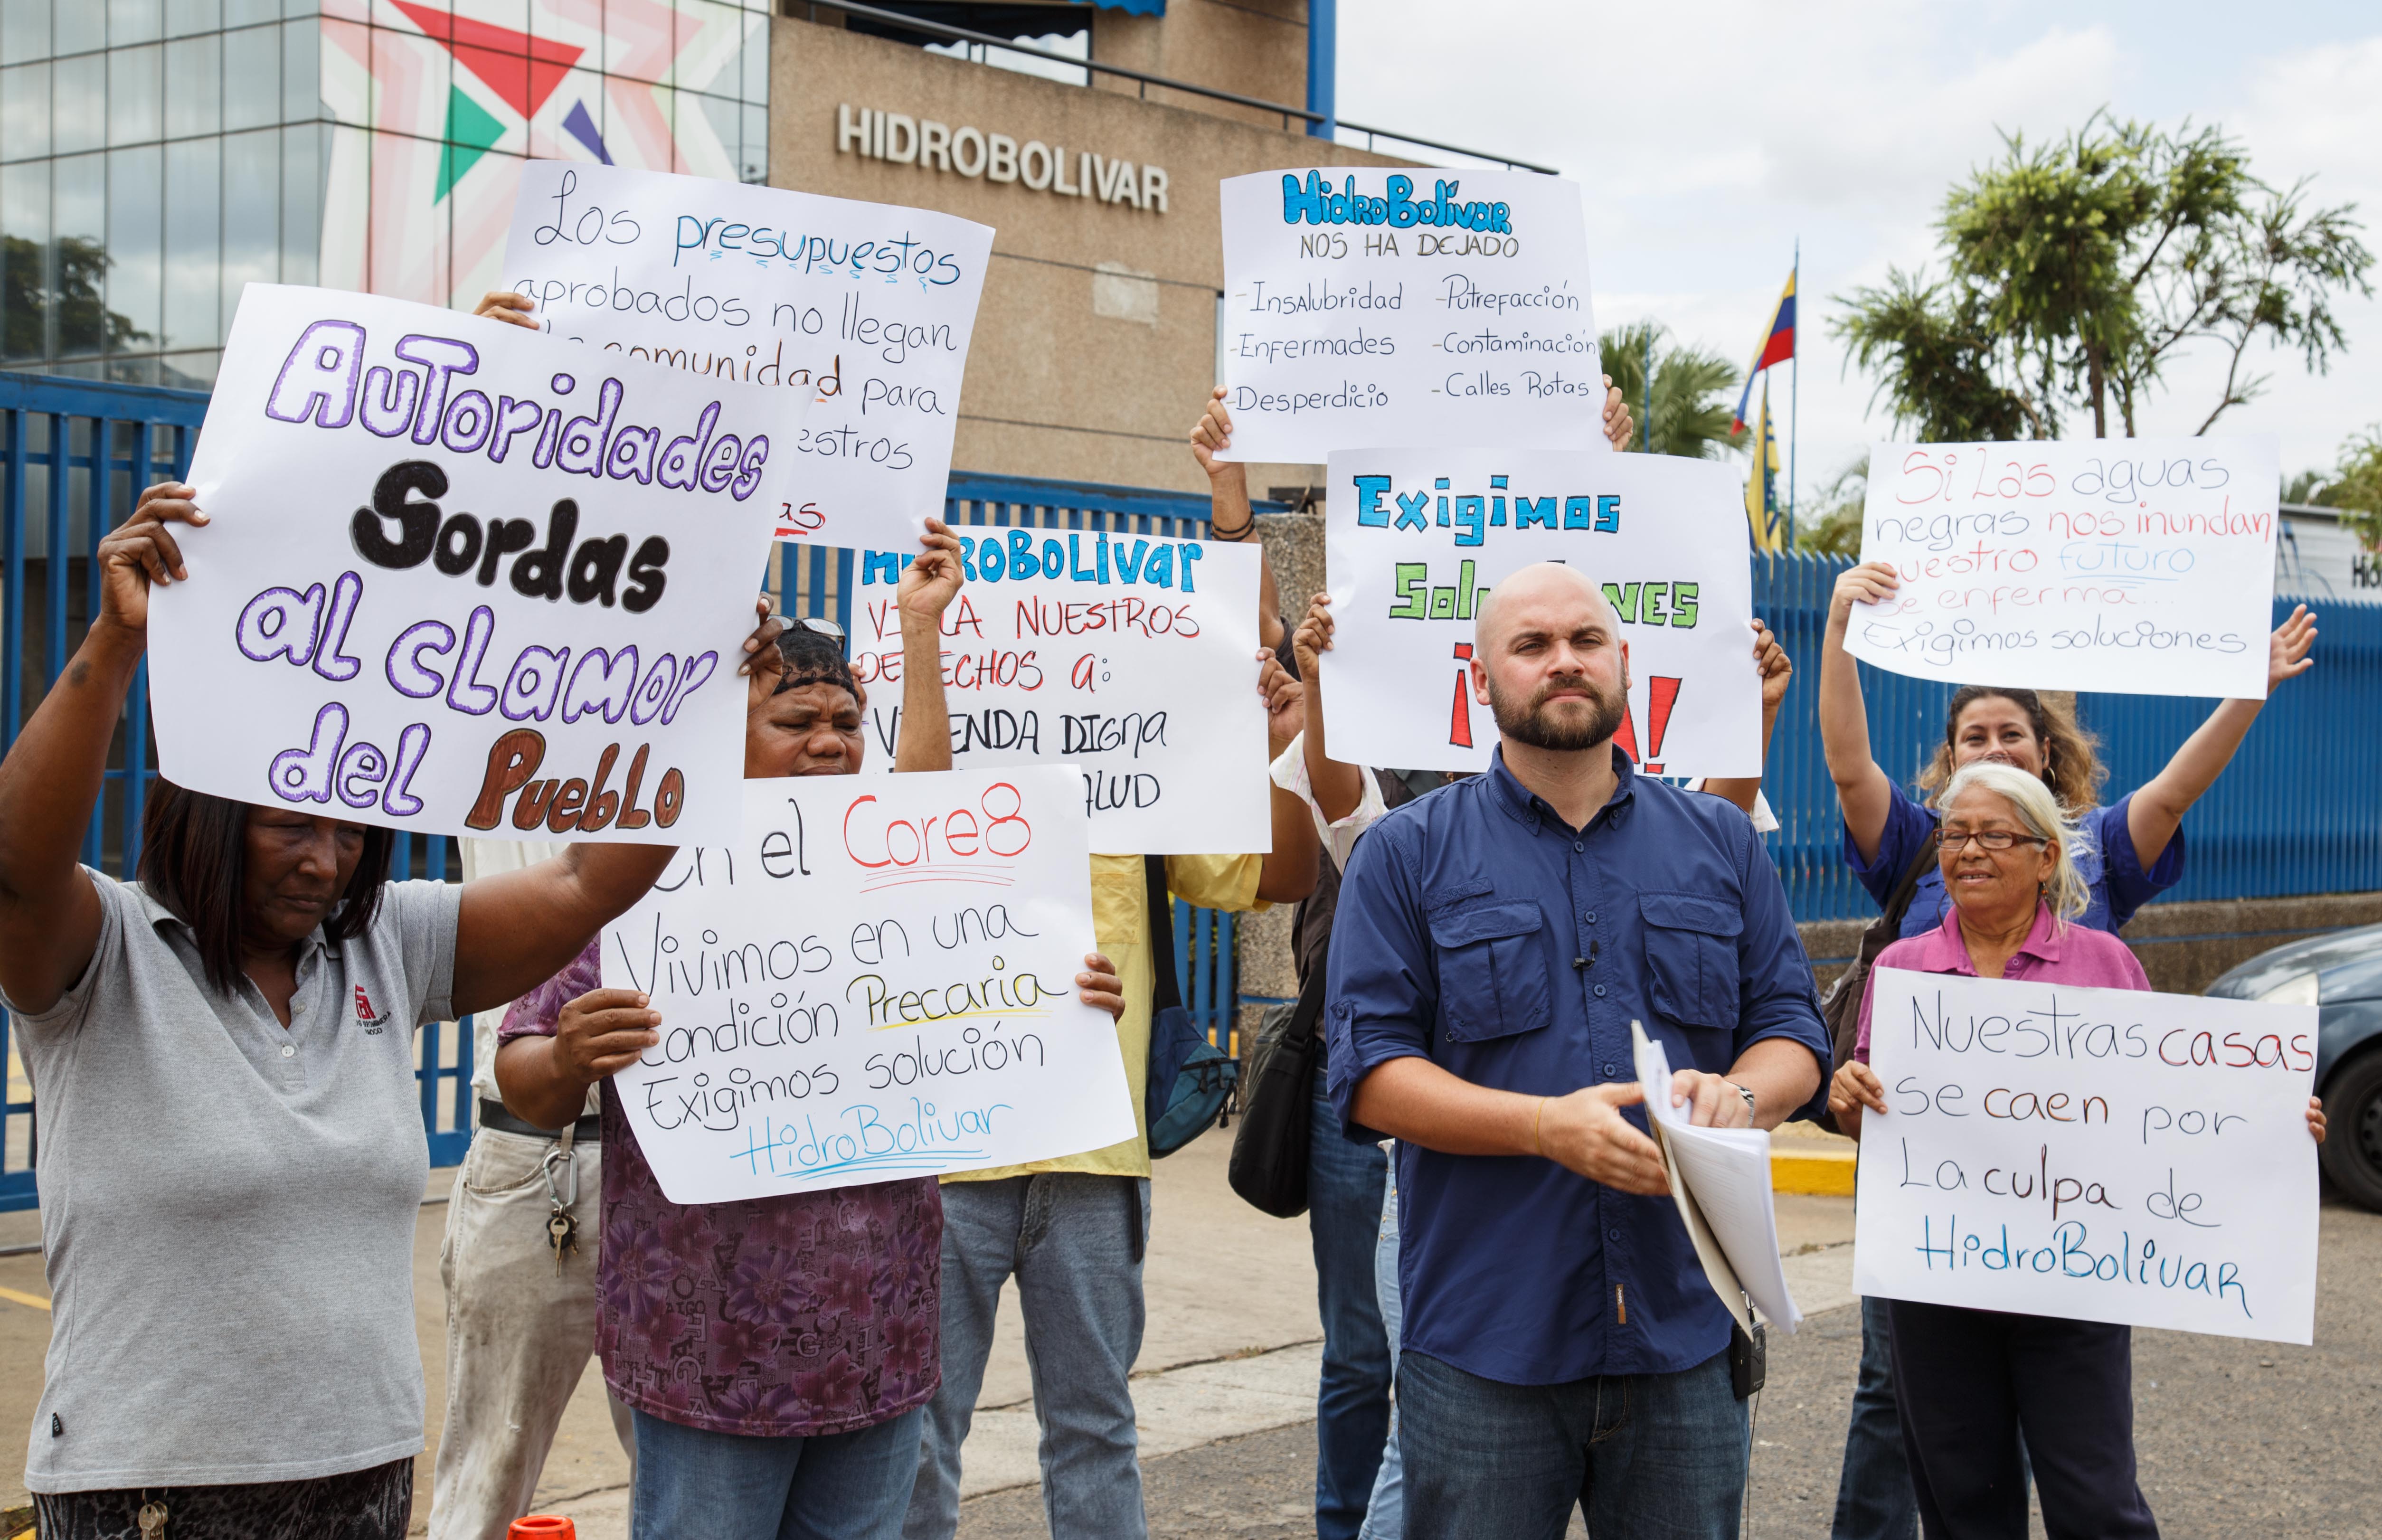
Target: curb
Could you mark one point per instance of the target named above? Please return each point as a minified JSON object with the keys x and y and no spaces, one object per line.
{"x":1825,"y":1172}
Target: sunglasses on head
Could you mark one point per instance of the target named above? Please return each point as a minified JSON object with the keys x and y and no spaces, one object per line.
{"x":824,"y":626}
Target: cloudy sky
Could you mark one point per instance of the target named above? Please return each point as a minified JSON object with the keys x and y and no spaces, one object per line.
{"x":1710,"y":136}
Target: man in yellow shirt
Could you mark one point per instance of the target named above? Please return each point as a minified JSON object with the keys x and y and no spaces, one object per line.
{"x":1072,"y":1230}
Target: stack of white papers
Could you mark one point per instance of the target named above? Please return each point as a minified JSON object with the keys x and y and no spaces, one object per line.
{"x":1720,"y":1178}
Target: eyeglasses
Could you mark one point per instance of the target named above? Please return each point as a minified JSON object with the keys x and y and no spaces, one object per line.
{"x":1955,"y":841}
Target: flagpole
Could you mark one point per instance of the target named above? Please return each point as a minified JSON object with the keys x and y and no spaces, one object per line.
{"x":1647,"y":393}
{"x":1794,"y":393}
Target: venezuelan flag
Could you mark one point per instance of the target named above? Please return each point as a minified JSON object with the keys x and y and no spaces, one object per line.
{"x":1777,"y":347}
{"x":1761,"y":512}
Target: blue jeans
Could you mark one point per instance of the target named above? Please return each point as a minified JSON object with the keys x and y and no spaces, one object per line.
{"x":730,"y":1487}
{"x":1074,"y":1242}
{"x":1385,"y":1519}
{"x":1653,"y":1456}
{"x":1875,"y":1500}
{"x":1352,"y":1406}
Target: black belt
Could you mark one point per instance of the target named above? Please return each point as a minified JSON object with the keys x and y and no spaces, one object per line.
{"x":493,"y":1115}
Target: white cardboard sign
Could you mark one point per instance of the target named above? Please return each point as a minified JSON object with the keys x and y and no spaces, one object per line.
{"x":2098,"y":1154}
{"x":458,"y":582}
{"x":876,"y":980}
{"x":1365,"y":305}
{"x":1131,"y":658}
{"x":1414,"y":538}
{"x":2144,"y":566}
{"x":859,"y":312}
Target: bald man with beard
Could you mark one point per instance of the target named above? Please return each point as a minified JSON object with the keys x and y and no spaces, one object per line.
{"x":1494,"y":941}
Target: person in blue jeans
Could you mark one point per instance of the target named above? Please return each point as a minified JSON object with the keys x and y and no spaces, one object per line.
{"x":1495,"y":942}
{"x":2127,"y":853}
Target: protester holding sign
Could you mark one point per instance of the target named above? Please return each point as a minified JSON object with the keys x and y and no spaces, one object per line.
{"x":1494,"y":945}
{"x":776,"y":1351}
{"x":2127,"y":852}
{"x":1974,"y":1381}
{"x":1072,"y":1231}
{"x":224,"y":1052}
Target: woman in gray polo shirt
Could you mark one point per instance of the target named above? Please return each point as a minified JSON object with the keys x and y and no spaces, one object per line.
{"x":231,"y":1151}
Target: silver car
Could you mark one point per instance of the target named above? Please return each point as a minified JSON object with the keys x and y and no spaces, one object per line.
{"x":2342,"y":976}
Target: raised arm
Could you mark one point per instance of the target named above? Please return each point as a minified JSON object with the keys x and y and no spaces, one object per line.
{"x":1862,"y":790}
{"x":1777,"y":671}
{"x":1290,"y":870}
{"x":51,"y":780}
{"x":1338,"y":785}
{"x":1230,"y":517}
{"x":929,"y":585}
{"x":2156,"y":811}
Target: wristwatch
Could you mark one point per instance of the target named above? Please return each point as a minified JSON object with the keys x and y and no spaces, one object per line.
{"x":1752,"y":1107}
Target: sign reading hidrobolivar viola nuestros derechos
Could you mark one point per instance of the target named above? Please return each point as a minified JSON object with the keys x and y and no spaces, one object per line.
{"x":463,"y":579}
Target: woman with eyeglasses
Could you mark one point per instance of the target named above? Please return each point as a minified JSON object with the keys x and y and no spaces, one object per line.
{"x":1975,"y":1380}
{"x":2125,"y":854}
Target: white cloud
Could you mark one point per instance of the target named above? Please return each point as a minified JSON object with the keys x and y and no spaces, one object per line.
{"x":1708,"y":139}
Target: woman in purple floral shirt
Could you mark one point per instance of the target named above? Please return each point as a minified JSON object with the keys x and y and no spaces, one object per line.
{"x":778,"y":1353}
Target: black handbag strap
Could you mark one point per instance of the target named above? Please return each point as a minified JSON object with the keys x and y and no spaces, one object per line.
{"x":1308,"y":1012}
{"x":1166,"y":991}
{"x":1898,"y":905}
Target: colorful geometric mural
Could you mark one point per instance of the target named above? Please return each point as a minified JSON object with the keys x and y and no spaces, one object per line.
{"x":437,"y":104}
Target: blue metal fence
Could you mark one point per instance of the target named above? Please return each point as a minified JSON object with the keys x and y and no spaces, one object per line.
{"x":2298,"y":812}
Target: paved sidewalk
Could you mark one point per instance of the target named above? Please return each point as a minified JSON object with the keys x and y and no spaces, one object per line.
{"x":1231,"y":1351}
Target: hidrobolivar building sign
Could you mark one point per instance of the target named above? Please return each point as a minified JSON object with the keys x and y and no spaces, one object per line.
{"x":968,"y":150}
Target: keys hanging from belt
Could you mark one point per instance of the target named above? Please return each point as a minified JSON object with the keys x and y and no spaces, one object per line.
{"x":561,"y":1224}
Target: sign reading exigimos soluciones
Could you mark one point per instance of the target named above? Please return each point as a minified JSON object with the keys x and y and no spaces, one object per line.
{"x":463,"y":579}
{"x":1416,"y":539}
{"x":1370,"y":306}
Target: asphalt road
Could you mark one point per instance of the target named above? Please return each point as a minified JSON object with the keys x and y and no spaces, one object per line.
{"x":2234,"y":1437}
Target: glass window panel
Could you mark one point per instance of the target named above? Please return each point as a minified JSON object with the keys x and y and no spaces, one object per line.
{"x":252,"y":213}
{"x":756,"y":69}
{"x":296,"y":8}
{"x":131,"y":20}
{"x":189,"y":371}
{"x":24,"y":112}
{"x":240,"y":13}
{"x":79,"y":264}
{"x":194,"y":86}
{"x":755,"y":165}
{"x":24,"y":260}
{"x":252,"y":88}
{"x":194,"y":232}
{"x":185,"y":17}
{"x":639,"y":44}
{"x":77,"y":26}
{"x":78,"y":103}
{"x":24,"y":30}
{"x":725,"y":119}
{"x":304,"y":149}
{"x":136,"y":220}
{"x":301,"y":72}
{"x":135,"y":96}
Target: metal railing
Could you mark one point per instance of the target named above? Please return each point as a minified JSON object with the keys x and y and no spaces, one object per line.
{"x":2295,"y":813}
{"x":949,"y":34}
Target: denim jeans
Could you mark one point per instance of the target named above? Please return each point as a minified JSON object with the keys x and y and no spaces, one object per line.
{"x":1385,"y":1517}
{"x":1352,"y":1405}
{"x":731,"y":1486}
{"x":1874,"y":1497}
{"x":1074,"y":1241}
{"x":1653,"y":1457}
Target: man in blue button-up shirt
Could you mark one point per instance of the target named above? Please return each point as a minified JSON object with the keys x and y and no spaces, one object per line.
{"x":1494,"y":941}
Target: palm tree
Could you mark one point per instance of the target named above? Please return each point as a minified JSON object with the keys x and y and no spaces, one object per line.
{"x":1690,"y":412}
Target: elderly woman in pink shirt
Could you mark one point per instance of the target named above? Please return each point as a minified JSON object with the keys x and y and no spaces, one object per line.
{"x":1971,"y":1379}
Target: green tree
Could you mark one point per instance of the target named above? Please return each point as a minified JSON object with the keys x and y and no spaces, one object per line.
{"x":1690,"y":410}
{"x":2356,"y":488}
{"x":2077,"y":271}
{"x":1830,"y":523}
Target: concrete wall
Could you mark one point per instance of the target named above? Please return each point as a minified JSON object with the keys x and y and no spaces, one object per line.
{"x":1095,"y":345}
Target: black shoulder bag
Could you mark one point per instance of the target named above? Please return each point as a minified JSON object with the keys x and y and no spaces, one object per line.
{"x":1277,"y":1116}
{"x":1841,"y":1009}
